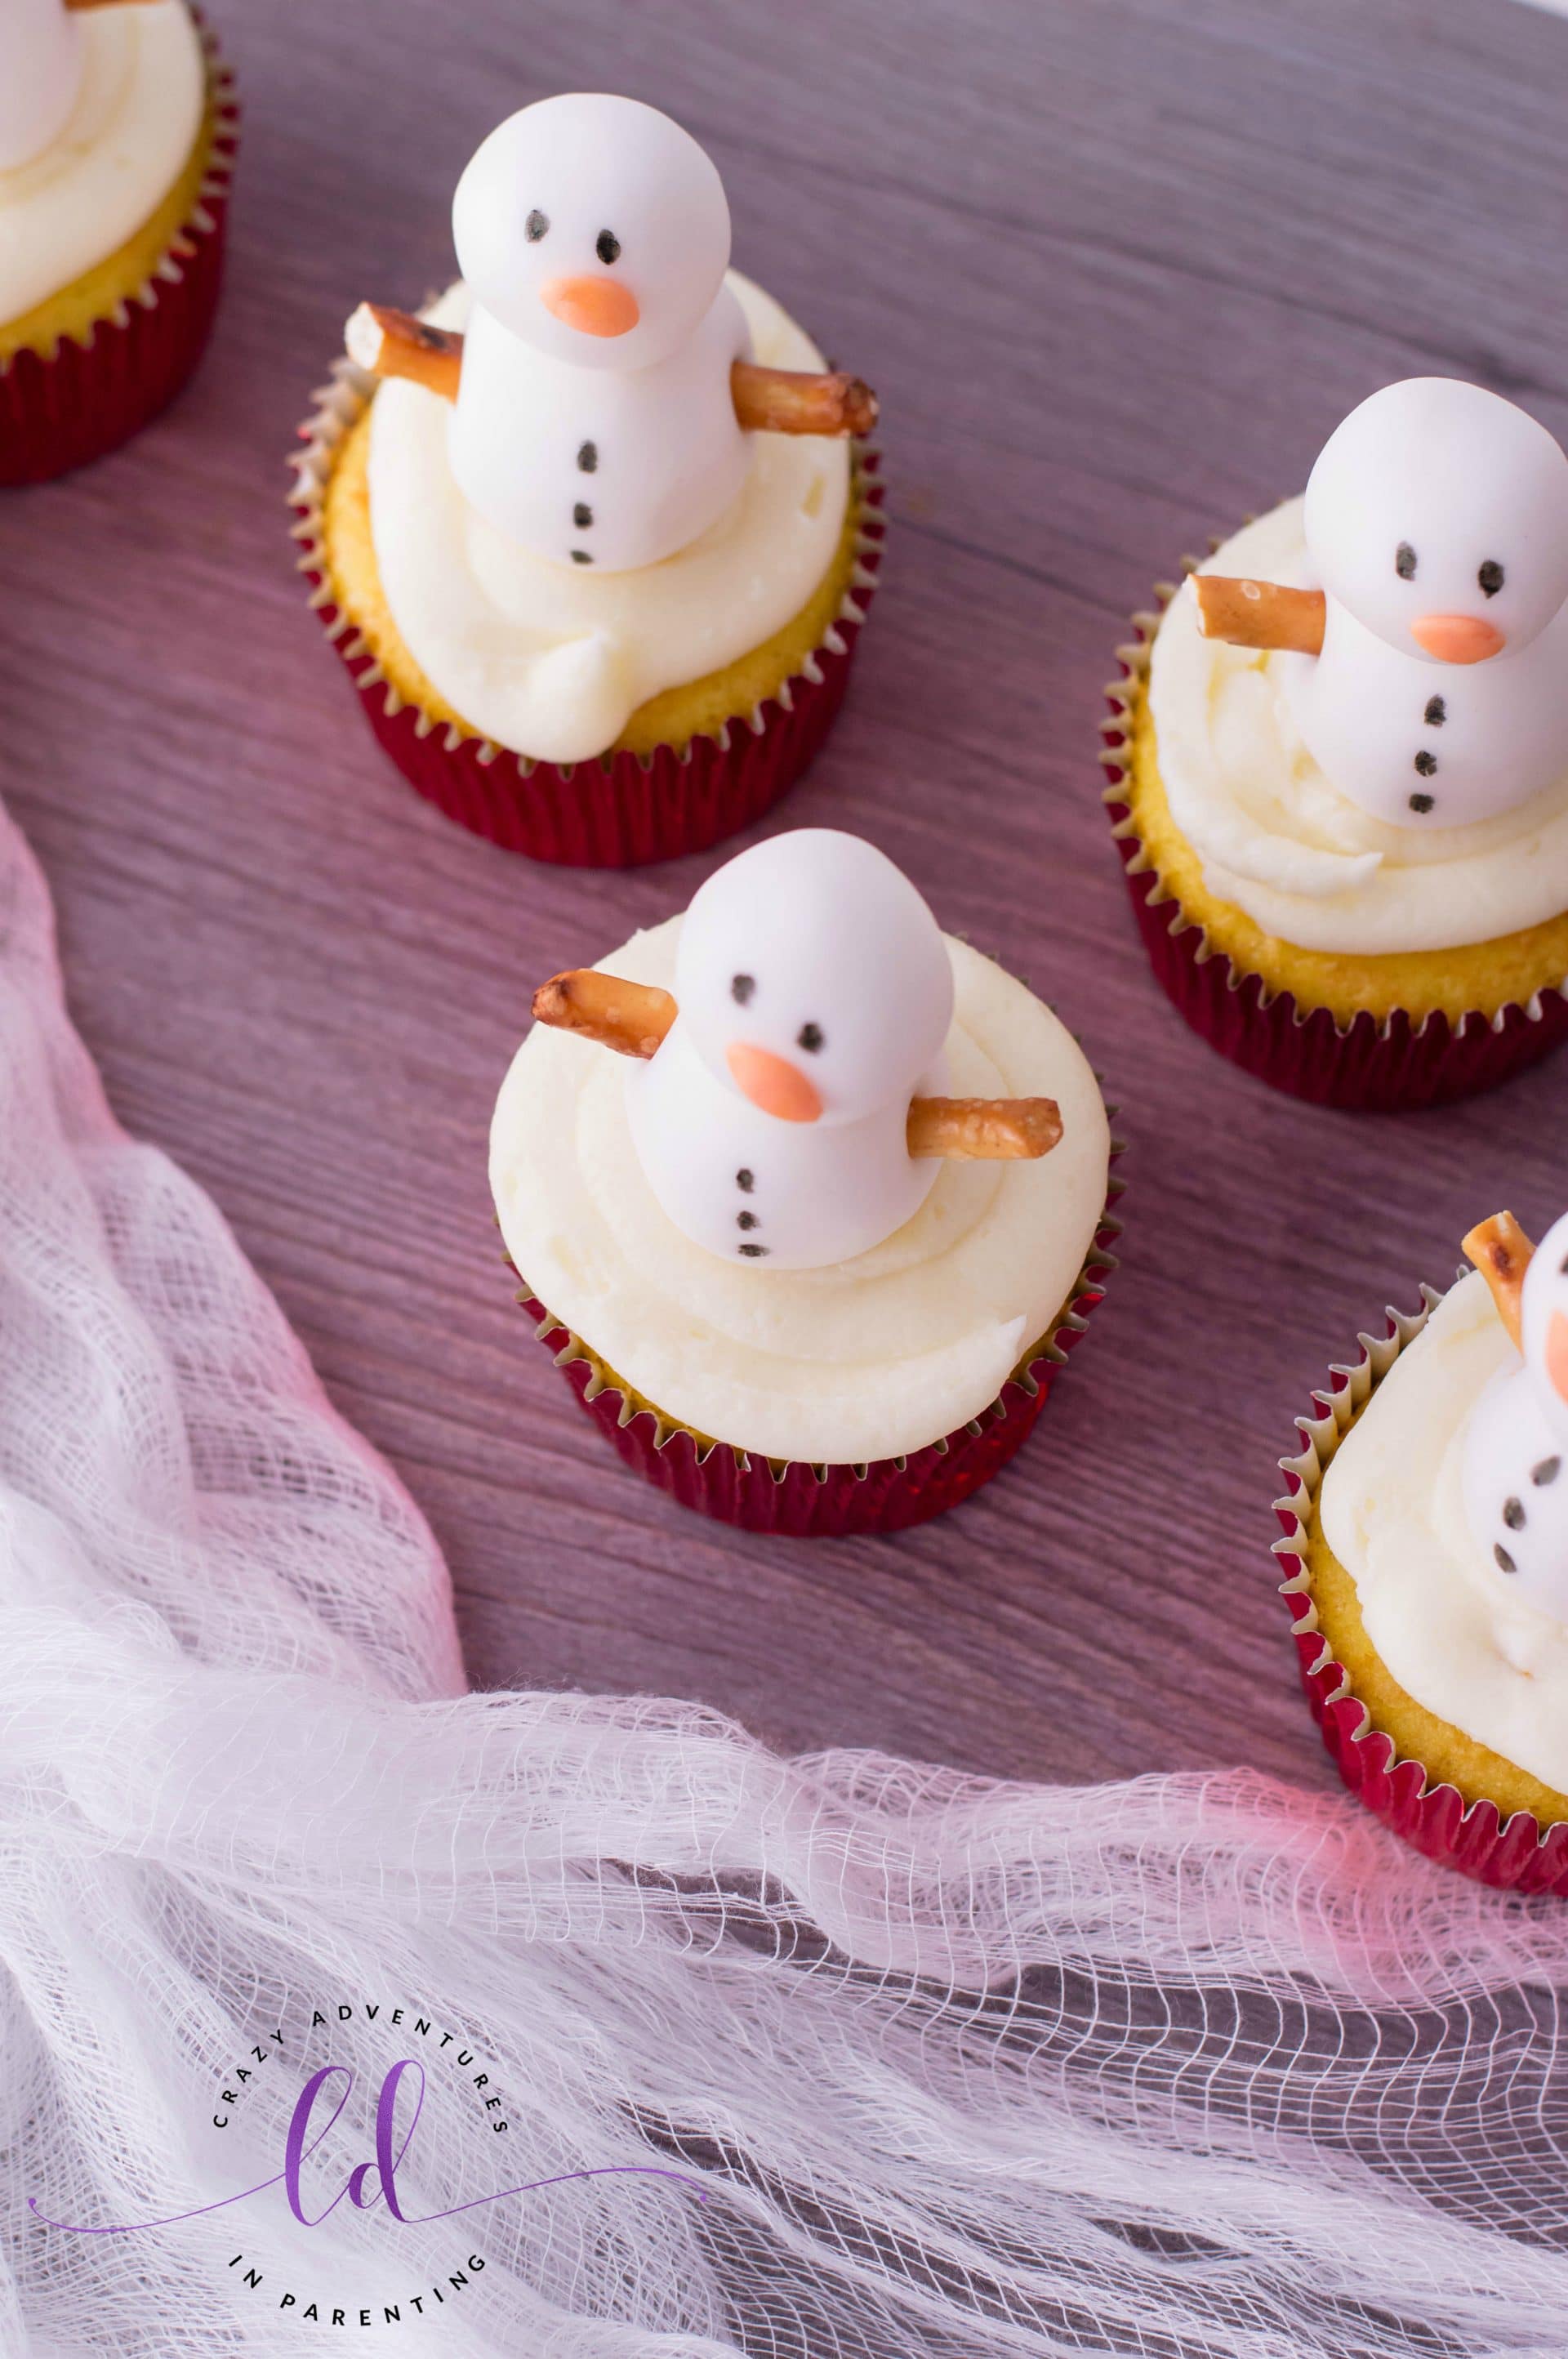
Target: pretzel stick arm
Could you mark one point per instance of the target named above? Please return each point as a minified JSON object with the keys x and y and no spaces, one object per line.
{"x":792,"y":401}
{"x":634,"y":1017}
{"x":395,"y":343}
{"x":630,"y":1017}
{"x":1502,"y":1253}
{"x":1257,"y":614}
{"x":387,"y":343}
{"x":984,"y":1130}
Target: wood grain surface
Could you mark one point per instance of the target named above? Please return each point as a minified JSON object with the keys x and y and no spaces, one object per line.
{"x":1115,"y":268}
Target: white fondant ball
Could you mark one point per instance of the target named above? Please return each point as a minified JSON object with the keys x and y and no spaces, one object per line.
{"x":815,"y":937}
{"x":1516,"y":1492}
{"x":1422,"y":491}
{"x":582,"y":169}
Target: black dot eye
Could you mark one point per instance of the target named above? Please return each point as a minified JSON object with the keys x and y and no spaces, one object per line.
{"x":1404,"y":561}
{"x":607,"y":245}
{"x":1490,"y":576}
{"x":809,"y":1038}
{"x":742,"y":986}
{"x":536,"y":226}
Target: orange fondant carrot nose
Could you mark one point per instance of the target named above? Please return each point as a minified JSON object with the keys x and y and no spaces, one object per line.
{"x":594,"y":307}
{"x":773,"y":1083}
{"x":1557,"y":1353}
{"x":1456,"y":638}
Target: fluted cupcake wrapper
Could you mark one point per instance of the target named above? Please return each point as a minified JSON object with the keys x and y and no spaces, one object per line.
{"x":824,"y":1502}
{"x":1372,"y":1064}
{"x":57,"y":411}
{"x":618,"y":810}
{"x":1434,"y":1817}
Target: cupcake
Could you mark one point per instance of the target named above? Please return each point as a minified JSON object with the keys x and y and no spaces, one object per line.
{"x":1426,"y":1539}
{"x":117,"y":137}
{"x":811,"y":1248}
{"x":593,"y":535}
{"x":1340,"y":771}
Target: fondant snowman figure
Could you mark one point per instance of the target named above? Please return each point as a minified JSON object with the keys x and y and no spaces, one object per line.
{"x":1436,"y":524}
{"x":594,"y":422}
{"x":1515,"y":1452}
{"x":814,"y":994}
{"x":40,"y":70}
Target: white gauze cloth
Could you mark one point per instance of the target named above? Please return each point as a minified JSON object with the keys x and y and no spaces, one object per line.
{"x":1191,"y":2067}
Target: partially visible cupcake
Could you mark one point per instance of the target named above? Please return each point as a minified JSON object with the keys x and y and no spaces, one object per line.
{"x":1340,"y":771}
{"x":1426,"y":1545}
{"x":801,"y":1286}
{"x":596,"y":558}
{"x":117,"y":139}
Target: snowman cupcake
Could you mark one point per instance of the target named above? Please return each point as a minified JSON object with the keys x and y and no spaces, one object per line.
{"x":1340,"y":772}
{"x":117,"y":136}
{"x":1427,"y":1552}
{"x":597,"y":553}
{"x":811,"y":1245}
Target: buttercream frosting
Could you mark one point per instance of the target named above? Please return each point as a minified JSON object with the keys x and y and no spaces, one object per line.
{"x":552,"y":661}
{"x":125,"y":142}
{"x":1281,"y":843}
{"x":1455,"y":1635}
{"x":868,"y":1359}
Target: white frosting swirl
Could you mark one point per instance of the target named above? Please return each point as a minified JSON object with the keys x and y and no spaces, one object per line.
{"x":1450,"y":1627}
{"x":552,"y":661}
{"x":868,"y":1359}
{"x":125,"y":142}
{"x":1283,"y":844}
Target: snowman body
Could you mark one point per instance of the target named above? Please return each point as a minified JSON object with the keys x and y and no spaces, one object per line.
{"x":1421,"y":744}
{"x":594,"y":467}
{"x":1516,"y":1446}
{"x":40,"y":72}
{"x":752,"y":1187}
{"x":1516,"y":1490}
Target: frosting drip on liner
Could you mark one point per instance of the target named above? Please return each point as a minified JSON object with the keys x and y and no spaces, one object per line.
{"x":1451,"y":1628}
{"x":552,"y":662}
{"x":136,"y":118}
{"x":862,"y":1360}
{"x":1282,"y":844}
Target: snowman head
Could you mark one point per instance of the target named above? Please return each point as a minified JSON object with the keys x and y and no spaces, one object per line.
{"x":1438,"y":514}
{"x":595,"y":229}
{"x":813,"y":979}
{"x":1543,"y":1325}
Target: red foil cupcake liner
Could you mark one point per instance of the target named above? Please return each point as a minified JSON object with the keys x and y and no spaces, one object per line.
{"x":59,"y":412}
{"x":817,"y":1501}
{"x":1371,"y":1065}
{"x":1434,"y":1818}
{"x":619,"y":810}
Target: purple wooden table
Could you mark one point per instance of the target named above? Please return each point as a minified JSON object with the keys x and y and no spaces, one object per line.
{"x":1117,"y":266}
